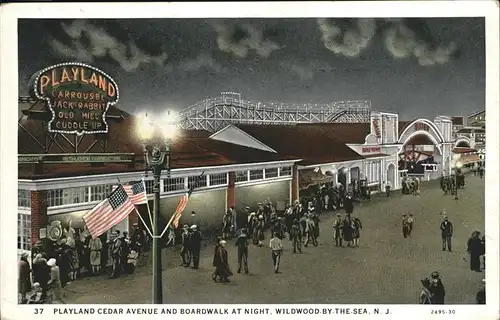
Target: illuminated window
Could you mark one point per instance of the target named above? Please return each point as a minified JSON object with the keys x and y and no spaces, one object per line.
{"x":218,"y":179}
{"x":241,"y":176}
{"x":24,"y":198}
{"x":100,"y":192}
{"x":256,"y":174}
{"x":173,"y":184}
{"x":149,"y":186}
{"x":197,"y":182}
{"x":75,"y":195}
{"x":271,"y":173}
{"x":23,"y":231}
{"x":59,"y":197}
{"x":285,"y":171}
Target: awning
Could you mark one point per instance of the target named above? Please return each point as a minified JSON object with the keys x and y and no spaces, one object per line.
{"x":470,"y":158}
{"x":464,"y":150}
{"x":309,"y":177}
{"x":375,"y":155}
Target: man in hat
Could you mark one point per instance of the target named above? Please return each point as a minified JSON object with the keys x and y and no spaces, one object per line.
{"x":289,"y":217}
{"x":310,"y":231}
{"x":348,"y":204}
{"x":267,"y":210}
{"x":221,"y":262}
{"x":242,"y":244}
{"x":186,"y":247}
{"x":253,"y":226}
{"x":437,"y":289}
{"x":259,"y":230}
{"x":117,"y":254}
{"x":276,"y":250}
{"x":405,"y":225}
{"x":337,"y":230}
{"x":245,"y":218}
{"x":357,"y":226}
{"x":296,"y":236}
{"x":315,"y":218}
{"x":226,"y":224}
{"x":388,"y":187}
{"x":234,"y":218}
{"x":195,"y":241}
{"x":446,"y":233}
{"x":474,"y":248}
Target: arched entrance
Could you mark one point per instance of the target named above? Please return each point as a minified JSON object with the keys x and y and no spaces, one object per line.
{"x":354,"y":174}
{"x":391,"y":175}
{"x":462,"y":144}
{"x":421,"y":152}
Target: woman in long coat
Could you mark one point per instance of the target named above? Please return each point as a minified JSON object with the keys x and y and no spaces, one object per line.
{"x":356,"y":226}
{"x":347,"y":231}
{"x":474,"y":248}
{"x":260,"y":230}
{"x":24,"y":277}
{"x":71,"y":250}
{"x":95,"y":246}
{"x":221,"y":264}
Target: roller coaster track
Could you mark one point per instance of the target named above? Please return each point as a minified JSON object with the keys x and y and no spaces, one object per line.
{"x":213,"y":114}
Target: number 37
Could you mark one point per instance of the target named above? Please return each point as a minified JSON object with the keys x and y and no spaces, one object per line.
{"x":38,"y":310}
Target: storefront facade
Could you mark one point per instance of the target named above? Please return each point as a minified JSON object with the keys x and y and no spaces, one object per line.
{"x":62,"y":199}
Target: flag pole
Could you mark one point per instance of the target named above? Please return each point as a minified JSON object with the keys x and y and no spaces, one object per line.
{"x":137,"y":211}
{"x":143,"y":222}
{"x":175,"y":213}
{"x":168,"y":224}
{"x":147,"y":204}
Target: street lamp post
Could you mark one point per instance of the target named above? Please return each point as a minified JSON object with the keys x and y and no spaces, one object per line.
{"x":157,"y":162}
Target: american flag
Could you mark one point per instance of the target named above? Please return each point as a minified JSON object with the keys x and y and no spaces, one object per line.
{"x":109,"y":212}
{"x":136,"y":191}
{"x":183,"y":203}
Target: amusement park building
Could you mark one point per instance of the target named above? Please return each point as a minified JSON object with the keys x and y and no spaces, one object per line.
{"x":244,"y":162}
{"x":59,"y":192}
{"x":469,"y":134}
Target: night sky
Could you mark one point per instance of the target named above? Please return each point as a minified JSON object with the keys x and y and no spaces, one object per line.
{"x":416,"y":67}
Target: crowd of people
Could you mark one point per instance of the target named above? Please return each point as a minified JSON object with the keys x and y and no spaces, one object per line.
{"x":73,"y":255}
{"x":298,"y":223}
{"x":411,"y":185}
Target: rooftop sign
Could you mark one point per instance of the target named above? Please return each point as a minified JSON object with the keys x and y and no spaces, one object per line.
{"x":78,"y":95}
{"x":76,"y":158}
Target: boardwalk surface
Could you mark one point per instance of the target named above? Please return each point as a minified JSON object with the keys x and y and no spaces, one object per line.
{"x":385,"y":268}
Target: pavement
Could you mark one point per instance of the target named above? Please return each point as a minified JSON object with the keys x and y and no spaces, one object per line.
{"x":384,"y":269}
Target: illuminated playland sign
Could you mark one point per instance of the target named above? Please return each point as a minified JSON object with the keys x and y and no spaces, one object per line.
{"x":78,"y":95}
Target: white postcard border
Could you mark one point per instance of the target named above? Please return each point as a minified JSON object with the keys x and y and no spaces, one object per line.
{"x":9,"y":96}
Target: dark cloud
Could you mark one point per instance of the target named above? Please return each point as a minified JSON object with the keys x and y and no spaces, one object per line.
{"x":204,"y":63}
{"x":244,"y":39}
{"x":412,"y":38}
{"x":273,"y":59}
{"x":89,"y":42}
{"x":403,"y":38}
{"x":347,"y":37}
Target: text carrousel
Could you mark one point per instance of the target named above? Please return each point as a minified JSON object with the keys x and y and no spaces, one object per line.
{"x":78,"y":96}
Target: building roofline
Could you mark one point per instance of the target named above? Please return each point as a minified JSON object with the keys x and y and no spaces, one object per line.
{"x":476,"y":113}
{"x":111,"y":178}
{"x":245,"y":133}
